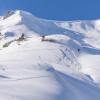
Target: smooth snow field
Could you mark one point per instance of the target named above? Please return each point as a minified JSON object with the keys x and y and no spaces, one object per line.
{"x":64,"y":65}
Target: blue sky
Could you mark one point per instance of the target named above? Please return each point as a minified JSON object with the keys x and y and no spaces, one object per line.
{"x":56,"y":9}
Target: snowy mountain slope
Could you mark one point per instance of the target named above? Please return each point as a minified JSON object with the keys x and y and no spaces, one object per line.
{"x":88,"y":34}
{"x":89,"y":28}
{"x":64,"y":66}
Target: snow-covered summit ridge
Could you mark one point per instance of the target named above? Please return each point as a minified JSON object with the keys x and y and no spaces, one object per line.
{"x":24,"y":20}
{"x":38,"y":25}
{"x":27,"y":23}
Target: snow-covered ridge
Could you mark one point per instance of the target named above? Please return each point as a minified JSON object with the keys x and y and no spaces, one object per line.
{"x":48,"y":60}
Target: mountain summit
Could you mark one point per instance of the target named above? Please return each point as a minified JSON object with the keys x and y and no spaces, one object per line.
{"x":28,"y":23}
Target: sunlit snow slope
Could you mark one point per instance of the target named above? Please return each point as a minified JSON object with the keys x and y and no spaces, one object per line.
{"x":64,"y":66}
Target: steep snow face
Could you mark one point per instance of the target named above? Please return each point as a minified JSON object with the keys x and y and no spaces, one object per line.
{"x":62,"y":65}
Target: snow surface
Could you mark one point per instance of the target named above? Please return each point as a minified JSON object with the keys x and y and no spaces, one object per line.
{"x":64,"y":67}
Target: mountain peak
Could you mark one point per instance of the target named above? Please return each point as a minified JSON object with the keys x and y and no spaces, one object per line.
{"x":23,"y":13}
{"x":17,"y":13}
